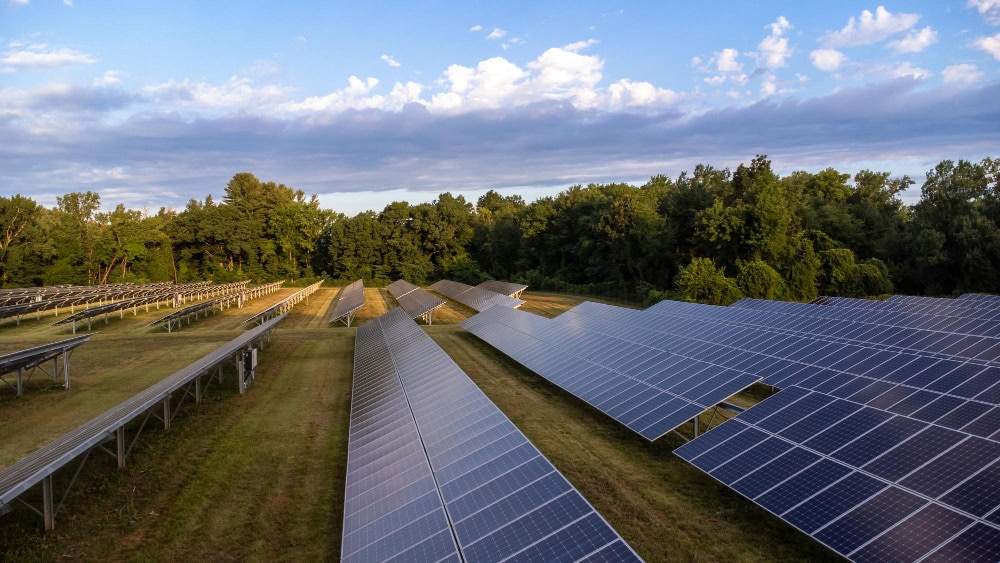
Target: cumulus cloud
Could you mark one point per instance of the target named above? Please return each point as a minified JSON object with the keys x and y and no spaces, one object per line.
{"x":827,"y":59}
{"x":869,"y":28}
{"x":389,"y":60}
{"x":40,"y":57}
{"x":357,"y":95}
{"x":962,"y":74}
{"x":914,"y":42}
{"x":989,"y":45}
{"x":497,"y":33}
{"x":725,"y":61}
{"x":907,"y":70}
{"x":774,"y":49}
{"x":988,"y":9}
{"x":476,"y":27}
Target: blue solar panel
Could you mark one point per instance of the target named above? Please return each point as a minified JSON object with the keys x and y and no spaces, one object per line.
{"x":646,"y":387}
{"x":436,"y":471}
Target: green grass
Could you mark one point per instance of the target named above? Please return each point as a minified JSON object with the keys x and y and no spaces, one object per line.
{"x":260,"y":476}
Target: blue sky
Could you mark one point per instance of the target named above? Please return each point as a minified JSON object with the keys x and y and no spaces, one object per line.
{"x":154,"y":103}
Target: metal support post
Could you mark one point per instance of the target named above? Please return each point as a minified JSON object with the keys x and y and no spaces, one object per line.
{"x":48,"y":504}
{"x":197,"y":390}
{"x":20,"y":382}
{"x":695,"y":421}
{"x":65,"y":356}
{"x":120,"y":439}
{"x":166,"y":412}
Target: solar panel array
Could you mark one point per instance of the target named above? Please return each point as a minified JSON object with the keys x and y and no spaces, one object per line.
{"x":473,"y":297}
{"x":414,"y":300}
{"x":503,"y":287}
{"x":867,"y":483}
{"x":965,"y":308}
{"x":351,"y":299}
{"x":630,"y":377}
{"x":437,"y":473}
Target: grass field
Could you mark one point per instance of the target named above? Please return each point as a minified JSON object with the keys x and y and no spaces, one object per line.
{"x":260,"y":476}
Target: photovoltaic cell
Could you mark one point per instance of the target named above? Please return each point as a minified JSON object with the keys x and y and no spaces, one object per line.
{"x":437,"y":472}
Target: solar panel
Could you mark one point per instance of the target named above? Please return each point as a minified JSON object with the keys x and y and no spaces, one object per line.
{"x":641,"y":385}
{"x":435,"y":468}
{"x":417,"y":302}
{"x":869,"y":484}
{"x":503,"y":287}
{"x":351,"y":299}
{"x":473,"y":297}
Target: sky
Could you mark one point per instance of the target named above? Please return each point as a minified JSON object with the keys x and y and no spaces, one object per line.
{"x":154,"y":103}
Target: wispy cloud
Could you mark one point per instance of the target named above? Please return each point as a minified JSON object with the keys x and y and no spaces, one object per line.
{"x":963,"y":74}
{"x":41,"y":56}
{"x":988,"y":9}
{"x":869,"y":28}
{"x":476,"y":27}
{"x":497,"y":33}
{"x":389,"y":60}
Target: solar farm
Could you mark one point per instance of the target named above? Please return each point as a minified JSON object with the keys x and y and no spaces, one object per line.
{"x":347,"y":423}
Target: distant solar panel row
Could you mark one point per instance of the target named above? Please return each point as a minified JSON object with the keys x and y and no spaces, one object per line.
{"x":922,"y":305}
{"x":475,"y":298}
{"x":638,"y":383}
{"x":867,"y":483}
{"x":414,"y":300}
{"x":889,"y":338}
{"x":351,"y":299}
{"x":503,"y":287}
{"x":961,"y":323}
{"x":436,"y":472}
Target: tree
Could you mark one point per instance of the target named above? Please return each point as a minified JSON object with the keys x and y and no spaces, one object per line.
{"x":701,"y":282}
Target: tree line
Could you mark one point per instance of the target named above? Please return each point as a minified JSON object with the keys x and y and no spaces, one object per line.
{"x":711,"y":235}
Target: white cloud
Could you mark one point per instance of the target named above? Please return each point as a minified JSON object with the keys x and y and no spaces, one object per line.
{"x":988,"y":9}
{"x":19,"y":2}
{"x":625,"y":93}
{"x":869,"y":28}
{"x":768,"y":87}
{"x":476,"y":27}
{"x":906,"y":69}
{"x":40,"y":56}
{"x":68,"y":3}
{"x":235,"y":95}
{"x":827,"y":59}
{"x":964,"y":74}
{"x":989,"y":45}
{"x":726,"y":61}
{"x":774,"y":48}
{"x":497,"y":33}
{"x":696,"y":61}
{"x":301,"y":39}
{"x":914,"y":42}
{"x":715,"y":80}
{"x":739,"y":79}
{"x":101,"y":175}
{"x":579,"y":45}
{"x":109,"y":78}
{"x":389,"y":60}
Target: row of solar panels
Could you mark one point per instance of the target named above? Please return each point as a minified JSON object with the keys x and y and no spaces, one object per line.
{"x":436,"y":472}
{"x":476,"y":298}
{"x":882,"y":445}
{"x":21,"y":295}
{"x":350,"y":300}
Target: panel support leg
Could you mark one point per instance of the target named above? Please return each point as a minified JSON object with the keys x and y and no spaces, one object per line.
{"x":695,"y":421}
{"x":120,"y":439}
{"x":48,"y":504}
{"x":65,"y":356}
{"x":166,"y":412}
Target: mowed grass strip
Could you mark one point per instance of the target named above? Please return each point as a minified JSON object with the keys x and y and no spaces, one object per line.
{"x":256,"y":477}
{"x":664,"y":507}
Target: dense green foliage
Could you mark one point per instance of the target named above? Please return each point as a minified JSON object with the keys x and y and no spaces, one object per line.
{"x":711,"y":235}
